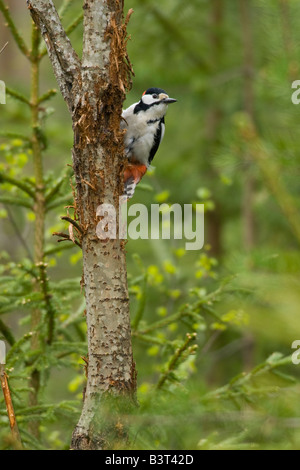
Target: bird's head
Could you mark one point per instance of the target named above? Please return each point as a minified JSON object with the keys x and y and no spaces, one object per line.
{"x":156,"y":96}
{"x":155,"y":101}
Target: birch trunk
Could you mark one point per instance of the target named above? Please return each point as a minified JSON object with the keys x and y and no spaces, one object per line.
{"x":94,"y":90}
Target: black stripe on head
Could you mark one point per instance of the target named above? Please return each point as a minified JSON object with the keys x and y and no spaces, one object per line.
{"x":152,"y":91}
{"x":141,"y":106}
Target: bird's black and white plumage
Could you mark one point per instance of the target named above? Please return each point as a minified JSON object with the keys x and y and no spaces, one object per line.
{"x":144,"y":123}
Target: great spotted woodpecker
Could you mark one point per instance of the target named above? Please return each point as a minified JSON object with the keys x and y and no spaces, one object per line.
{"x":145,"y":127}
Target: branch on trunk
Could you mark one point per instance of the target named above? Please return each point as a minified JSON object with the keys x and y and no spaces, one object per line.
{"x":65,"y":237}
{"x":65,"y":62}
{"x":73,"y":222}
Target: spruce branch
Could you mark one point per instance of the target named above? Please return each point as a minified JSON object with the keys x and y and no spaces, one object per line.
{"x":12,"y":355}
{"x":18,"y":231}
{"x":16,"y":201}
{"x":14,"y":135}
{"x":7,"y":333}
{"x":4,"y":178}
{"x":58,"y":202}
{"x":49,"y":94}
{"x":176,"y":35}
{"x":52,"y":191}
{"x":142,"y":303}
{"x":184,"y":350}
{"x":57,"y":249}
{"x":44,"y":283}
{"x":151,"y":339}
{"x":271,"y":173}
{"x":237,"y":386}
{"x":17,"y":95}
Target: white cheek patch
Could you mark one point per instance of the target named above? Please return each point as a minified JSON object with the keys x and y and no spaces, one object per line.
{"x":148,"y":99}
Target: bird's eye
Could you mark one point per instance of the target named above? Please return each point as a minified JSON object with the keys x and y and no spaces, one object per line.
{"x":155,"y":96}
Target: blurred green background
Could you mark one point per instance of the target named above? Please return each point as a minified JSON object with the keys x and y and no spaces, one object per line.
{"x":232,"y":144}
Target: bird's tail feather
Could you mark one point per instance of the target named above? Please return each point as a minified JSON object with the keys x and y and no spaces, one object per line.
{"x":129,"y":188}
{"x":132,"y":176}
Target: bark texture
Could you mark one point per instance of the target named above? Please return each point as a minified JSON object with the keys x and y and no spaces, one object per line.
{"x":94,"y":90}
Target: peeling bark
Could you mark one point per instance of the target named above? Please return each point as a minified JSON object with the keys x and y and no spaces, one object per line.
{"x":94,"y":90}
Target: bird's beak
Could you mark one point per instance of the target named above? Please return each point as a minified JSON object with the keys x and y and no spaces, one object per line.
{"x":169,"y":100}
{"x":164,"y":98}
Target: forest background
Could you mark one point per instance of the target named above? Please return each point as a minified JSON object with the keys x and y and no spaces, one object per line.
{"x":212,"y":329}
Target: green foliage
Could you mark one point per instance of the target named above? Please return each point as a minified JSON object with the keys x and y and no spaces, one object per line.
{"x":212,"y":330}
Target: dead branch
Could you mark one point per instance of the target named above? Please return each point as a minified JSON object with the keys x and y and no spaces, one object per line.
{"x":65,"y":237}
{"x":73,"y":222}
{"x":10,"y":409}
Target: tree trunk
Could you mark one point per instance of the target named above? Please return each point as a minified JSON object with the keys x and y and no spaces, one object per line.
{"x":248,"y":92}
{"x":94,"y":90}
{"x":214,"y":123}
{"x":288,"y":41}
